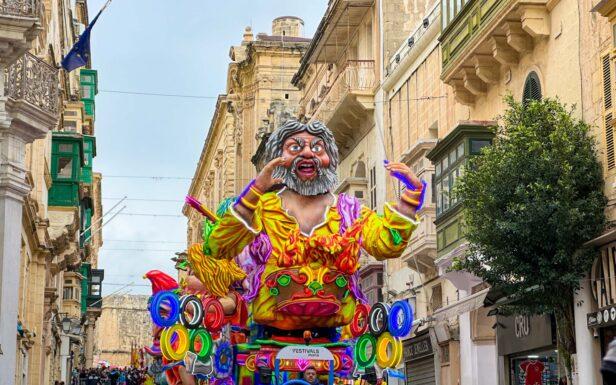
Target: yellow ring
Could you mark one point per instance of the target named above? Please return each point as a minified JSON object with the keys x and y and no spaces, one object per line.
{"x":383,"y":359}
{"x":183,"y":341}
{"x":251,"y":363}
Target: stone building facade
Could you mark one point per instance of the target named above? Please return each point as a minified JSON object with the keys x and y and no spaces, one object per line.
{"x":43,"y":243}
{"x":124,"y":324}
{"x":259,"y":94}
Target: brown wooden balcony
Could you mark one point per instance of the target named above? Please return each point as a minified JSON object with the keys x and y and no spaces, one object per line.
{"x":347,"y":101}
{"x":481,"y":35}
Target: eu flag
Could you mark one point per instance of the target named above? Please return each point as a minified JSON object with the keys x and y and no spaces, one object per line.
{"x":79,"y":55}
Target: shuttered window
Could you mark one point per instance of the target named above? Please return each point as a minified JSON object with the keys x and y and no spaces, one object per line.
{"x":532,"y":87}
{"x":606,"y":67}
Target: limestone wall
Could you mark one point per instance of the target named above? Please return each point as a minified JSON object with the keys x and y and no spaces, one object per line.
{"x":124,"y":322}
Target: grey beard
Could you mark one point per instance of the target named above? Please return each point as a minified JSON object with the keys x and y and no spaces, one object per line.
{"x":326,"y":181}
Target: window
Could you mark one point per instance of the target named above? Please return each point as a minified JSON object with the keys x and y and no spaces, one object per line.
{"x":532,"y":87}
{"x":87,"y":91}
{"x":69,"y":126}
{"x":65,"y":147}
{"x":477,"y":144}
{"x":67,"y":293}
{"x":436,"y":301}
{"x":373,"y":188}
{"x":608,"y":112}
{"x":95,"y":290}
{"x":448,"y":169}
{"x":65,"y":168}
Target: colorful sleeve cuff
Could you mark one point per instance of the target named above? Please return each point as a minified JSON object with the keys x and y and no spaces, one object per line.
{"x":255,"y":228}
{"x":397,"y":220}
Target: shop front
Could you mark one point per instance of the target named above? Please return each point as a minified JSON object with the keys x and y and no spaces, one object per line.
{"x":419,"y":364}
{"x":603,"y":286}
{"x":527,"y":346}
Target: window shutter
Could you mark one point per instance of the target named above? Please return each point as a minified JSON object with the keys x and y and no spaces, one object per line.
{"x":532,"y":87}
{"x":607,"y":111}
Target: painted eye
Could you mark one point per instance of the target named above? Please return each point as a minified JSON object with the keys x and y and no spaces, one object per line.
{"x":317,"y":148}
{"x":295,"y":147}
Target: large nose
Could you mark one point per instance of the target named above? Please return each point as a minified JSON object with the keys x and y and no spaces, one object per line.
{"x":307,"y":152}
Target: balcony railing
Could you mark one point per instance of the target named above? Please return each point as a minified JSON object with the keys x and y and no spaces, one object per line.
{"x":24,"y":8}
{"x":357,"y":76}
{"x":32,"y":80}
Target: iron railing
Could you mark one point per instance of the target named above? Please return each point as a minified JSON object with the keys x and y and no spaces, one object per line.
{"x":24,"y":8}
{"x":356,"y":76}
{"x":32,"y":80}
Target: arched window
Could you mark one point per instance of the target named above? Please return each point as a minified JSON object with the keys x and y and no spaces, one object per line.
{"x":532,"y":87}
{"x":360,"y":169}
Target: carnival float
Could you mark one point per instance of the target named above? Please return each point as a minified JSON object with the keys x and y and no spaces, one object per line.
{"x":274,"y":287}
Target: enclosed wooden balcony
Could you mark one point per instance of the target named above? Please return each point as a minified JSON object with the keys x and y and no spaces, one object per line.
{"x":480,"y":36}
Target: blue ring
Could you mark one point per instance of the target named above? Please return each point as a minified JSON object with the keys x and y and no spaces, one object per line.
{"x":174,"y":304}
{"x":223,"y":369}
{"x":407,"y":319}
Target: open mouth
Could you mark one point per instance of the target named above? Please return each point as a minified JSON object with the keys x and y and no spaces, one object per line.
{"x":306,"y":169}
{"x":310,"y":307}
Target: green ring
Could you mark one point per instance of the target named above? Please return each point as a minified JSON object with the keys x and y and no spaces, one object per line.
{"x":274,"y":291}
{"x":360,"y":350}
{"x":206,"y":342}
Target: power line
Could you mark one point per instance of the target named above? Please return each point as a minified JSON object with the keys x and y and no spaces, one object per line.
{"x":122,"y":249}
{"x":149,"y":177}
{"x":152,"y":215}
{"x":130,"y":240}
{"x":210,"y":97}
{"x":144,"y":199}
{"x":123,"y":284}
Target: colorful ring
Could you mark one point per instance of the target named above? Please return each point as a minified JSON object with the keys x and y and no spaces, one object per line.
{"x":206,"y":342}
{"x":377,"y":320}
{"x":362,"y":311}
{"x":177,"y":353}
{"x":336,"y":363}
{"x":195,"y":321}
{"x":223,"y":359}
{"x":251,"y":363}
{"x":361,"y":350}
{"x":400,"y":329}
{"x":174,"y":313}
{"x":213,"y":321}
{"x":385,"y":359}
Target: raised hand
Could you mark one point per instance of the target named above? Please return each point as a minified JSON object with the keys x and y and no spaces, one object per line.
{"x":264,"y":181}
{"x":413,"y":197}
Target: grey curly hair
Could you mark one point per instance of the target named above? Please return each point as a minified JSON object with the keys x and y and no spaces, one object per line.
{"x":327,"y":178}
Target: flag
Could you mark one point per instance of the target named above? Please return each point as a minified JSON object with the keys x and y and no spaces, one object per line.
{"x":79,"y":55}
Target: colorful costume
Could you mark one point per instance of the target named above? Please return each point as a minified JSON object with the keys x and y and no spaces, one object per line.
{"x":303,"y":281}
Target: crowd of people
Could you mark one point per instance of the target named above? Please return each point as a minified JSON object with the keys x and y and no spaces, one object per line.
{"x":110,"y":376}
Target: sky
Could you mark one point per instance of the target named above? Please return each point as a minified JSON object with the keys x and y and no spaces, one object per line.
{"x":148,"y":146}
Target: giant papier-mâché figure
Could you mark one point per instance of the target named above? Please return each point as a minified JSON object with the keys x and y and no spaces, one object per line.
{"x":298,"y":242}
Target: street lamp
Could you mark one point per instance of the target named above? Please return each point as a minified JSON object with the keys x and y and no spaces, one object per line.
{"x":66,"y":325}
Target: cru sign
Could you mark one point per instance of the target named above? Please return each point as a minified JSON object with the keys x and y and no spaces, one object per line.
{"x":522,"y":333}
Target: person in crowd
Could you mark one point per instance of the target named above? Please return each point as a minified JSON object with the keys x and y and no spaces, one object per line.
{"x":310,"y":376}
{"x":608,"y":364}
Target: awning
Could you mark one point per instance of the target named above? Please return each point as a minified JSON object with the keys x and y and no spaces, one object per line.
{"x":464,"y":305}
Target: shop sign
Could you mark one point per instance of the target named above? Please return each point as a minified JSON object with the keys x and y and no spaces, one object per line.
{"x":520,"y":333}
{"x":603,"y":277}
{"x":603,"y":317}
{"x":417,"y":347}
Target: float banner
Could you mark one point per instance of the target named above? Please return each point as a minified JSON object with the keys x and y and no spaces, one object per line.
{"x":297,"y":352}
